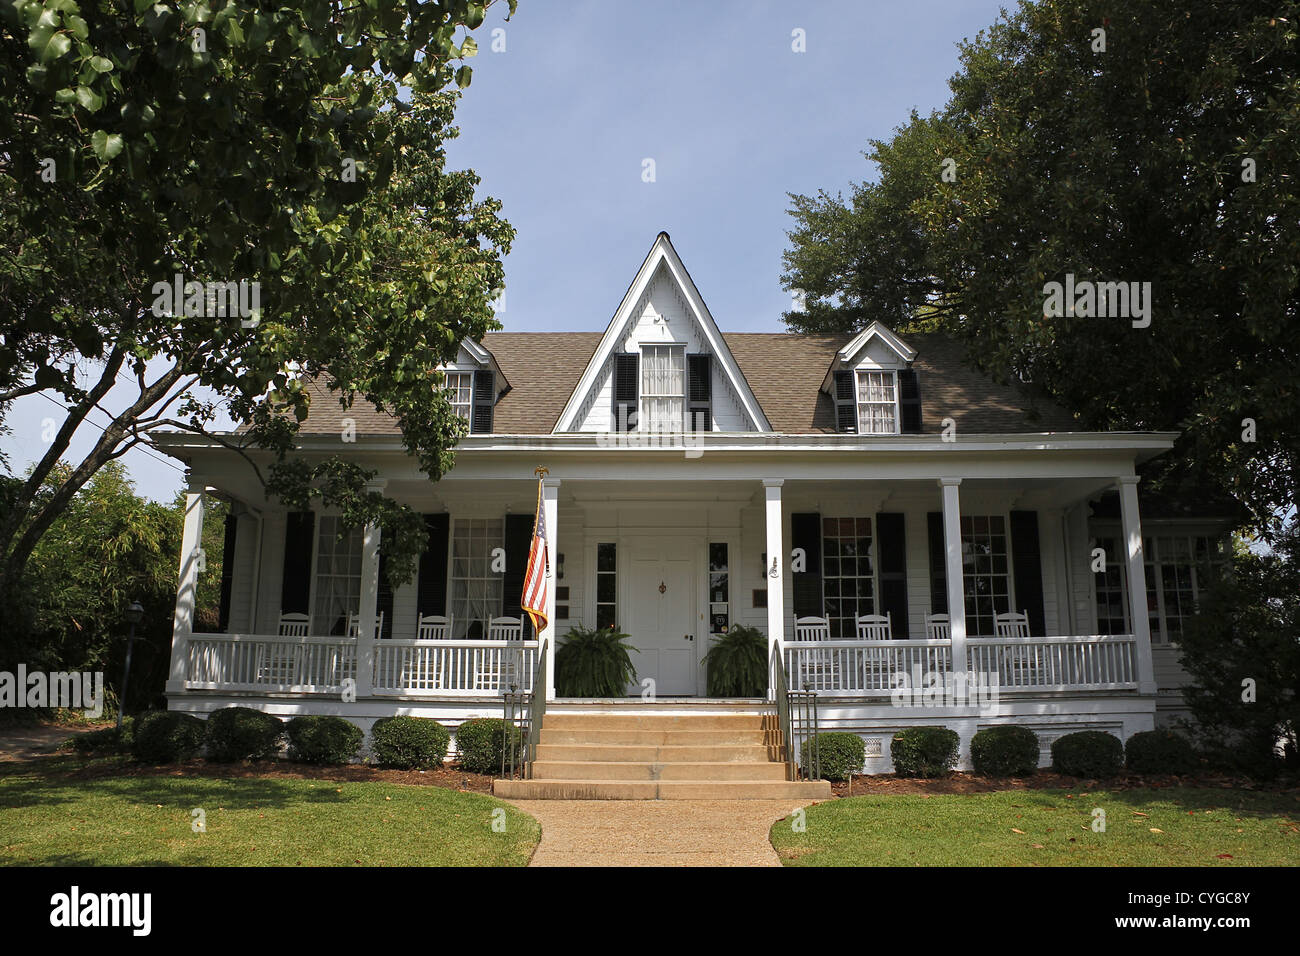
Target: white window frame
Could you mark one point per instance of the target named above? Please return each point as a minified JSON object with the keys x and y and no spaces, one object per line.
{"x":872,"y":557}
{"x":644,"y":421}
{"x":1010,"y":574}
{"x":315,"y":625}
{"x":861,"y":405}
{"x":462,"y":621}
{"x":454,"y":383}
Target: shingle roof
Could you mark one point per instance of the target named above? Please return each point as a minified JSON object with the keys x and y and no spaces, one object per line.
{"x":784,"y":370}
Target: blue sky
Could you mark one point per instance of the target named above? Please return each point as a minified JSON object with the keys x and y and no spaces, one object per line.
{"x":559,"y":124}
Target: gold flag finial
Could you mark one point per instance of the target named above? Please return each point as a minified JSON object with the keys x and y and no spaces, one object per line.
{"x":540,"y":471}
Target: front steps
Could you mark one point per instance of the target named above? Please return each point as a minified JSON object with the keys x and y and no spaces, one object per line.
{"x":612,"y":756}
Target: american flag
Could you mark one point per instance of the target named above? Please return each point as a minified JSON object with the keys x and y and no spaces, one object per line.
{"x":533,"y":600}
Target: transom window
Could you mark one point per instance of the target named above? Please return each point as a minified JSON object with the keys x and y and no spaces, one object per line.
{"x":985,"y":572}
{"x":663,"y":388}
{"x":877,"y":403}
{"x":848,"y":574}
{"x":460,"y":392}
{"x":338,"y":576}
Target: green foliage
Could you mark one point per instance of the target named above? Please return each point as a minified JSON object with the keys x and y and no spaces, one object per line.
{"x":409,"y":743}
{"x":840,"y":755}
{"x":241,"y":733}
{"x":323,"y":739}
{"x":167,"y":736}
{"x":1004,"y":751}
{"x":593,"y":663}
{"x":1124,"y":165}
{"x":481,"y":744}
{"x":312,"y":139}
{"x":1088,"y":753}
{"x":924,"y":751}
{"x":737,"y":663}
{"x":1159,"y":751}
{"x":1244,"y":661}
{"x":109,"y":740}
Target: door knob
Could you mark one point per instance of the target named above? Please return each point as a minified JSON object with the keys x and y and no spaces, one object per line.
{"x":688,"y":637}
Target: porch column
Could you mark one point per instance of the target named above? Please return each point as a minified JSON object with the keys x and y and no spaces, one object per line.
{"x":953,"y":571}
{"x":191,"y":560}
{"x":774,"y":569}
{"x":550,"y":513}
{"x":369,"y":606}
{"x":1137,"y":582}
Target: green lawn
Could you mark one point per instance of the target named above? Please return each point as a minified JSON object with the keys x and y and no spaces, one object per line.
{"x":48,"y":818}
{"x":1196,"y":827}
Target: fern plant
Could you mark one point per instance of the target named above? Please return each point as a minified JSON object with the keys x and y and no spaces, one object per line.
{"x":737,"y":663}
{"x":593,"y":664}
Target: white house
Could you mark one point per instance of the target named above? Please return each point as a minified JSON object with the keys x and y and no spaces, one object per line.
{"x":698,"y":480}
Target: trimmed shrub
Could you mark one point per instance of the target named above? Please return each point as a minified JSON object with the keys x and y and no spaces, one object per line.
{"x":409,"y":743}
{"x":1088,"y":753}
{"x":481,"y":743}
{"x":1159,"y":751}
{"x":841,"y":754}
{"x":924,"y":751}
{"x":593,"y":663}
{"x":110,"y":740}
{"x":1005,"y":751}
{"x":328,"y":740}
{"x":166,"y":736}
{"x":241,"y":733}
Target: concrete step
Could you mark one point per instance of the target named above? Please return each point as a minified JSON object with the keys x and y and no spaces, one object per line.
{"x":648,"y":770}
{"x":657,"y":722}
{"x":656,"y":753}
{"x":656,"y":738}
{"x":661,"y":789}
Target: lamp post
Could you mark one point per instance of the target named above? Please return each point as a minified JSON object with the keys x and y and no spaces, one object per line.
{"x":134,"y":613}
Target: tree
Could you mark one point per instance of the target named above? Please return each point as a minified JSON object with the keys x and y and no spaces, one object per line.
{"x":1162,"y":149}
{"x":1244,"y":659}
{"x":150,"y":145}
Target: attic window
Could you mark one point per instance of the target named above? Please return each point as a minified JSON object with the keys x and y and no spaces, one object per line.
{"x":460,"y":392}
{"x":877,"y":403}
{"x":471,"y":395}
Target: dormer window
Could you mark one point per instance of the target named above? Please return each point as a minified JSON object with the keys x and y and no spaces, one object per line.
{"x":460,"y":392}
{"x":663,"y":388}
{"x":472,"y":395}
{"x":877,"y":403}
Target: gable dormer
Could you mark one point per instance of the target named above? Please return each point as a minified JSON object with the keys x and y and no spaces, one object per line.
{"x":662,"y":364}
{"x":874,"y":386}
{"x":474,"y":383}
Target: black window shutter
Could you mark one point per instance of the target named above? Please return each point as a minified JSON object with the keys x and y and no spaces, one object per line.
{"x":519,"y":541}
{"x":909,"y":402}
{"x":227,"y":571}
{"x":892,"y":548}
{"x":627,"y":369}
{"x":384,"y":605}
{"x":846,"y":405}
{"x":295,"y":586}
{"x":806,"y":533}
{"x":938,"y":564}
{"x":484,"y":397}
{"x":1027,"y":569}
{"x":699,"y":392}
{"x":431,"y":593}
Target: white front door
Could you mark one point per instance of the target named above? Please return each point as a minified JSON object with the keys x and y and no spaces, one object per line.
{"x":662,"y":623}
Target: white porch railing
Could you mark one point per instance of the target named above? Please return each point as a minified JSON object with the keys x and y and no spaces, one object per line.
{"x":861,"y":668}
{"x":1096,"y":662}
{"x":319,"y":665}
{"x":304,"y":665}
{"x":453,"y":668}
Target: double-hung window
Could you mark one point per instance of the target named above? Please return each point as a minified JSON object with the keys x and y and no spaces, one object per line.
{"x":460,"y":392}
{"x":663,"y":388}
{"x":877,"y":403}
{"x":338,"y":576}
{"x":477,"y":588}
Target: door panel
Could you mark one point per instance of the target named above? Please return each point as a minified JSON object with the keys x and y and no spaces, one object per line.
{"x":660,"y":623}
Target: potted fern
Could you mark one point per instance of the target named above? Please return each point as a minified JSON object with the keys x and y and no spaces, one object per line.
{"x":737,"y":663}
{"x":593,"y":663}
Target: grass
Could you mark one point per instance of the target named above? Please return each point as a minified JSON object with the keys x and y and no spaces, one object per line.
{"x":1176,"y":826}
{"x":49,"y":818}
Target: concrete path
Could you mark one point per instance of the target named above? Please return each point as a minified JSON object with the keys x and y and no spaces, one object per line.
{"x":656,"y":832}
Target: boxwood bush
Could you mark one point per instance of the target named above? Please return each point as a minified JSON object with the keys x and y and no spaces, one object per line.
{"x":1159,"y":751}
{"x":325,"y":740}
{"x":166,"y":736}
{"x":481,"y":743}
{"x":1005,"y":751}
{"x":924,"y":751}
{"x":841,"y":754}
{"x":241,"y":733}
{"x":110,"y":740}
{"x":1088,"y":753}
{"x":409,"y":743}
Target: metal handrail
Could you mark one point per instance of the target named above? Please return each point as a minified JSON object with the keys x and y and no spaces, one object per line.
{"x":523,"y":717}
{"x":796,"y":715}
